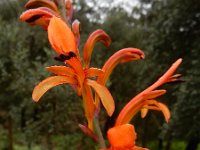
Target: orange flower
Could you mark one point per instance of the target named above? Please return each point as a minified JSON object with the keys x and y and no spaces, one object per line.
{"x":63,"y":41}
{"x":122,"y":136}
{"x":146,"y":99}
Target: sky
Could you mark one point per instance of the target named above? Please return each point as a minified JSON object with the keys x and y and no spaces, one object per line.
{"x":126,"y":4}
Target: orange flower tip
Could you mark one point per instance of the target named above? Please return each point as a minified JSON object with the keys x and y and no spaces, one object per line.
{"x":122,"y":136}
{"x":41,"y":3}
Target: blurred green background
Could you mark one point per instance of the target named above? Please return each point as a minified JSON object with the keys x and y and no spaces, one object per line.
{"x":164,"y":29}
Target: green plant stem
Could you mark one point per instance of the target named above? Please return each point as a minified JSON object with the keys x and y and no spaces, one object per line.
{"x":99,"y":133}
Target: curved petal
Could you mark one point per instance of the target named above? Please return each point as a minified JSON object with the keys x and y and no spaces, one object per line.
{"x":122,"y":56}
{"x":88,"y":104}
{"x":144,"y":112}
{"x":105,"y":96}
{"x":39,"y":16}
{"x":62,"y":70}
{"x":92,"y":72}
{"x":61,"y":37}
{"x":41,"y":3}
{"x":98,"y":35}
{"x":122,"y":136}
{"x":48,"y":83}
{"x":162,"y":108}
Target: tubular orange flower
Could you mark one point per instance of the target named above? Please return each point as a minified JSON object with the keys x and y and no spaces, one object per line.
{"x":145,"y":98}
{"x":121,"y":56}
{"x":63,"y":42}
{"x":122,"y":136}
{"x":98,"y":35}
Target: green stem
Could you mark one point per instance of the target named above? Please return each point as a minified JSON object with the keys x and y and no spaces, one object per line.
{"x":102,"y":143}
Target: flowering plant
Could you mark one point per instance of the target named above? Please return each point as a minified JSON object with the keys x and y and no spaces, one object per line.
{"x":55,"y":17}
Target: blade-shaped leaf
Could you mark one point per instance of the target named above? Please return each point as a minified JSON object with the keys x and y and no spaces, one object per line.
{"x":105,"y":96}
{"x":48,"y":83}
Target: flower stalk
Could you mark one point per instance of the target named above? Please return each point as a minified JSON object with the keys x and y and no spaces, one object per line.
{"x":88,"y":82}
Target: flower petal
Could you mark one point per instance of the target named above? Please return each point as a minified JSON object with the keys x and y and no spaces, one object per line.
{"x":41,"y":3}
{"x":98,"y":35}
{"x":105,"y":96}
{"x":62,"y":70}
{"x":48,"y":83}
{"x":88,"y":104}
{"x":144,"y":112}
{"x":162,"y":108}
{"x":92,"y":72}
{"x":122,"y":136}
{"x":61,"y":37}
{"x":39,"y":16}
{"x":122,"y":56}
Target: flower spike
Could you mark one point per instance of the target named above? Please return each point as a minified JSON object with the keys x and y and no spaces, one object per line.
{"x":41,"y":3}
{"x":98,"y":35}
